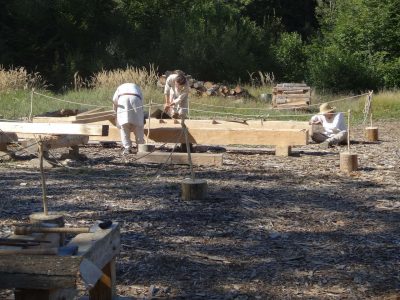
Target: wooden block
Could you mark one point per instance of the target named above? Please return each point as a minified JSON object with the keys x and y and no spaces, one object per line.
{"x":283,"y":150}
{"x":198,"y":159}
{"x":371,"y":134}
{"x":55,"y":128}
{"x":194,"y":189}
{"x":348,"y":162}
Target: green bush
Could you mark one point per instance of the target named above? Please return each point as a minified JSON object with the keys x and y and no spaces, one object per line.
{"x":290,"y":56}
{"x":334,"y":70}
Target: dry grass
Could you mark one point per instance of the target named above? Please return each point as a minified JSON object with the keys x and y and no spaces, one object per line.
{"x":144,"y":77}
{"x":15,"y":79}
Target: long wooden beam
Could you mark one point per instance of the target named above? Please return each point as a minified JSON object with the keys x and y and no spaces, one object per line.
{"x":219,"y":136}
{"x":55,"y":128}
{"x":217,"y":132}
{"x":198,"y":159}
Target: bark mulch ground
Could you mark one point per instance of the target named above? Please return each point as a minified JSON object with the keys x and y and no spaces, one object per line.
{"x":271,"y":227}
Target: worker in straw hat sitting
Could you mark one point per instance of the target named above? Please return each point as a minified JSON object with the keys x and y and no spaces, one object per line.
{"x":333,"y":130}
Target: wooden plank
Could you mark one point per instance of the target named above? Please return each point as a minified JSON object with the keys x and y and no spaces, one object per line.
{"x":293,"y":96}
{"x":108,"y":113}
{"x":55,"y":128}
{"x":38,"y":271}
{"x":90,"y":111}
{"x":54,"y":119}
{"x":198,"y":159}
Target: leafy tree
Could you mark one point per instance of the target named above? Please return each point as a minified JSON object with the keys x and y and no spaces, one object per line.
{"x":211,"y":40}
{"x":368,"y":29}
{"x":289,"y":53}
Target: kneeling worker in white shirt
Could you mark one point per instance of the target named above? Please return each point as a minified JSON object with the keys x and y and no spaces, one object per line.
{"x":334,"y":127}
{"x":128,"y":104}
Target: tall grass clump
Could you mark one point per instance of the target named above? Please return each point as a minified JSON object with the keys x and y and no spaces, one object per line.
{"x":144,"y":77}
{"x":15,"y":79}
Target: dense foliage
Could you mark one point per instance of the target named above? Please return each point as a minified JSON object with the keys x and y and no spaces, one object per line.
{"x":337,"y":45}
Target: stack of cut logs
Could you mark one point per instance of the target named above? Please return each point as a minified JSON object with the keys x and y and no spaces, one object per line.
{"x":208,"y":88}
{"x":291,"y":95}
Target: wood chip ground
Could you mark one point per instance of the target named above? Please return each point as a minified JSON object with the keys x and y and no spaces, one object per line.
{"x":271,"y":228}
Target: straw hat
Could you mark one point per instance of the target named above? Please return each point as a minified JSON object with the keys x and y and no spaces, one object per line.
{"x":325,"y":108}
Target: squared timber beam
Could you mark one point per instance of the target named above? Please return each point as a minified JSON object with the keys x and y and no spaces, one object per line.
{"x":55,"y":128}
{"x":198,"y":159}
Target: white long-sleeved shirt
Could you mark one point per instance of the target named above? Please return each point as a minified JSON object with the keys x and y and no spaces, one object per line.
{"x":331,"y":127}
{"x":129,"y":101}
{"x":177,"y":96}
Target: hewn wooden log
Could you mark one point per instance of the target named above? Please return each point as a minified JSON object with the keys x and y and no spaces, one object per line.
{"x":348,"y":162}
{"x":371,"y":134}
{"x":54,"y":128}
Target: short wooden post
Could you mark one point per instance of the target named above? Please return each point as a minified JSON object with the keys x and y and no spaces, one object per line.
{"x":348,"y":161}
{"x":145,"y":148}
{"x":194,"y":189}
{"x":371,"y":134}
{"x":283,"y":150}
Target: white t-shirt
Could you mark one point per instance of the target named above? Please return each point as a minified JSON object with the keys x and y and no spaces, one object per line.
{"x":331,"y":127}
{"x":177,"y":96}
{"x":129,"y":100}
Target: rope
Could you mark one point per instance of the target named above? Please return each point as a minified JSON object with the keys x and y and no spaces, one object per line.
{"x":93,"y":105}
{"x":68,"y":101}
{"x":254,"y":116}
{"x":333,"y":101}
{"x":249,"y":108}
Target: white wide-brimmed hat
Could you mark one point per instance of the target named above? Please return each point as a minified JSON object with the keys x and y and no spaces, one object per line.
{"x":325,"y":108}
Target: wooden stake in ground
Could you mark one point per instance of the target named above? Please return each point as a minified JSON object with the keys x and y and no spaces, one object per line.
{"x":192,"y":189}
{"x":348,"y":161}
{"x":44,"y":190}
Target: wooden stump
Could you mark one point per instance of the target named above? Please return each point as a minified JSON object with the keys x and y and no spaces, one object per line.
{"x":57,"y":220}
{"x":37,"y":218}
{"x":194,"y":189}
{"x":371,"y":134}
{"x":145,"y":148}
{"x":283,"y":150}
{"x":348,"y":162}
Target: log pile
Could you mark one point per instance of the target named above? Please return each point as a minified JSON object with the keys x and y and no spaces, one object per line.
{"x":209,"y":89}
{"x":291,"y":95}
